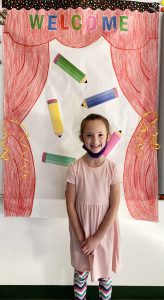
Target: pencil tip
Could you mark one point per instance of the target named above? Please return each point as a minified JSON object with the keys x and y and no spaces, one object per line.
{"x":85,"y":81}
{"x":59,"y":135}
{"x":82,"y":104}
{"x":120,"y":131}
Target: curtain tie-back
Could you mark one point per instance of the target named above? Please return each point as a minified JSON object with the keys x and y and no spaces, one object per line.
{"x":4,"y":149}
{"x":4,"y":155}
{"x":147,"y":132}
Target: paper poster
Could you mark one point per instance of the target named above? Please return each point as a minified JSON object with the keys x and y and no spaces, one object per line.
{"x":71,"y":53}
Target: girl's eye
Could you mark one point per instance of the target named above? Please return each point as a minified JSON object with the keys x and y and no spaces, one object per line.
{"x":100,"y":134}
{"x":88,"y":135}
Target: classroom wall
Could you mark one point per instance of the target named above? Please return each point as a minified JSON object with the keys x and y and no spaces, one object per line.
{"x":35,"y":251}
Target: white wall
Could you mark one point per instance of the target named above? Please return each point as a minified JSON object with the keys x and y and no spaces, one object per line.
{"x":36,"y":250}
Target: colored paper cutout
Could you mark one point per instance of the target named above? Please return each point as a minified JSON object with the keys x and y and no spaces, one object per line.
{"x":69,"y":68}
{"x":115,"y":137}
{"x":100,"y":98}
{"x":57,"y":159}
{"x":55,"y":117}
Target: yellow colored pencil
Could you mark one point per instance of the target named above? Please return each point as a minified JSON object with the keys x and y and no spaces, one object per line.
{"x":55,"y":117}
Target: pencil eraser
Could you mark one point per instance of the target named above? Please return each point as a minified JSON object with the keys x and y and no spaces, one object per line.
{"x":57,"y":57}
{"x":51,"y":101}
{"x":115,"y":92}
{"x":44,"y":157}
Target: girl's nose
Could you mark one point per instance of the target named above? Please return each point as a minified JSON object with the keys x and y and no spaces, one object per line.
{"x":95,"y":138}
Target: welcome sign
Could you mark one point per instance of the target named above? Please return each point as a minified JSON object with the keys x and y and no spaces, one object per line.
{"x":112,"y":44}
{"x":55,"y":23}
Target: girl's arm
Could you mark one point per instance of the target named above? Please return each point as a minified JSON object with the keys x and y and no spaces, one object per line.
{"x":111,"y":213}
{"x":73,"y":217}
{"x":89,"y":245}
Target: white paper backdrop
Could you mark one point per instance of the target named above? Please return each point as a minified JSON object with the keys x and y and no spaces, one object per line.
{"x":95,"y":62}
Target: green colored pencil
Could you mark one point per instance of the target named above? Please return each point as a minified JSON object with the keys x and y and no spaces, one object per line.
{"x":57,"y":159}
{"x":69,"y":68}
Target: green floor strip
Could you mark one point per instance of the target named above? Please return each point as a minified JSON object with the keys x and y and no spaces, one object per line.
{"x":58,"y":292}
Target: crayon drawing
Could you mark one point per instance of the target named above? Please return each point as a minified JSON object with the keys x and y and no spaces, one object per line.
{"x":114,"y":49}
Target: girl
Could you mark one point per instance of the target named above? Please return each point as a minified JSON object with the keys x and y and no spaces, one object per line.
{"x":92,"y":199}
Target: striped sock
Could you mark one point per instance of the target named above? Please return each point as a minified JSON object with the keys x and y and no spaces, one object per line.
{"x":80,"y":285}
{"x":105,"y":289}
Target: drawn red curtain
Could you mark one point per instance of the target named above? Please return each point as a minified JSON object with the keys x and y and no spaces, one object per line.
{"x":134,"y":57}
{"x":140,"y":88}
{"x":25,"y":75}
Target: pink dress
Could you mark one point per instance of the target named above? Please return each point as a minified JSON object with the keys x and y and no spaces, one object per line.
{"x":92,"y":203}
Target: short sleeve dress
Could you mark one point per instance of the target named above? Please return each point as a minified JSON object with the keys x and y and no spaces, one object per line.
{"x":92,"y":187}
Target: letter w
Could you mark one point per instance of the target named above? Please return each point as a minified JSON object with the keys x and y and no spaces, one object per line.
{"x":35,"y":21}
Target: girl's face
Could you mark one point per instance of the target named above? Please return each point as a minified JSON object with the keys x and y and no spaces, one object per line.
{"x":95,"y":135}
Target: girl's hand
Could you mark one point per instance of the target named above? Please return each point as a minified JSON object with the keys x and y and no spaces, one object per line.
{"x":82,"y":239}
{"x":89,"y":245}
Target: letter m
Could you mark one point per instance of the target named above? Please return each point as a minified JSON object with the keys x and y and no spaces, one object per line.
{"x":36,"y":22}
{"x":109,"y":24}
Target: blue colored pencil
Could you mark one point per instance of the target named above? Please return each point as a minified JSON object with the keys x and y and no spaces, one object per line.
{"x":100,"y":98}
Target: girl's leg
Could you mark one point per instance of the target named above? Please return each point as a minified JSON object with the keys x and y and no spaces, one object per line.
{"x":80,"y":285}
{"x":105,"y":288}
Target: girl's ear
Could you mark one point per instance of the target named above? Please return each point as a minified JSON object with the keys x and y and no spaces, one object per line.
{"x":108,"y":137}
{"x":81,"y":138}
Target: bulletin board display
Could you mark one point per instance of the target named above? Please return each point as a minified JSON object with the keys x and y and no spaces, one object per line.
{"x":78,"y":56}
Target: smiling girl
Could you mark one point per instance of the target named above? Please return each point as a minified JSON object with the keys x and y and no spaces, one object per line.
{"x":92,"y":199}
